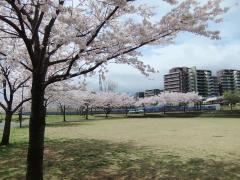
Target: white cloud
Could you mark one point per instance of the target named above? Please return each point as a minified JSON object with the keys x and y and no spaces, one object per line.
{"x":207,"y":56}
{"x":203,"y":56}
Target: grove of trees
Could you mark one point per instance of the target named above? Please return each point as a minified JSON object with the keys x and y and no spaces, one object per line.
{"x":55,"y":40}
{"x":232,"y":98}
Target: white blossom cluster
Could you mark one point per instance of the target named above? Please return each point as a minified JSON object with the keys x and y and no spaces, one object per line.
{"x":76,"y":38}
{"x":174,"y":98}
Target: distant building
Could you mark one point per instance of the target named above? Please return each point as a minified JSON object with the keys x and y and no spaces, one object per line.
{"x":229,"y":80}
{"x":236,"y":76}
{"x":184,"y":79}
{"x":203,"y":82}
{"x":152,"y":92}
{"x":139,"y":95}
{"x":176,"y":80}
{"x":215,"y":86}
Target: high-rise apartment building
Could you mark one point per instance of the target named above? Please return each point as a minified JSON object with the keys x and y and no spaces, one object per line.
{"x":215,"y":86}
{"x":176,"y":80}
{"x":229,"y":80}
{"x":183,"y":79}
{"x":236,"y":77}
{"x":203,"y":82}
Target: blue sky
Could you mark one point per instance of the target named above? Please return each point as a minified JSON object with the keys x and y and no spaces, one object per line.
{"x":188,"y":50}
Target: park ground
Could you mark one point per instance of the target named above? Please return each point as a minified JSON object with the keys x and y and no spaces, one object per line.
{"x":131,"y":148}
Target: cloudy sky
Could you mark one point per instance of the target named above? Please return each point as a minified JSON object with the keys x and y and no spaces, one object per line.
{"x":188,"y":51}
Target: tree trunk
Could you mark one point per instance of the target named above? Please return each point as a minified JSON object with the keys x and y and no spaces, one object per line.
{"x":7,"y":128}
{"x":106,"y":113}
{"x":92,"y":111}
{"x":86,"y":113}
{"x":64,"y":113}
{"x":36,"y":130}
{"x":45,"y":112}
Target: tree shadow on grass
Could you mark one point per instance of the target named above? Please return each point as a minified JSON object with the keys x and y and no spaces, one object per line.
{"x":95,"y":159}
{"x":12,"y":161}
{"x":67,"y":124}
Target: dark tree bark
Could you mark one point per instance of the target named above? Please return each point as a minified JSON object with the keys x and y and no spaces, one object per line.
{"x":7,"y":128}
{"x":36,"y":130}
{"x":86,"y":112}
{"x":92,"y":111}
{"x":9,"y":89}
{"x":107,"y":111}
{"x":64,"y":113}
{"x":106,"y":115}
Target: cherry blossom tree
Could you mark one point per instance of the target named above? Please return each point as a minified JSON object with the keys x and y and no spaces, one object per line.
{"x":12,"y":82}
{"x":106,"y":101}
{"x":152,"y":100}
{"x":194,"y":98}
{"x":126,"y":102}
{"x":64,"y":95}
{"x":86,"y":99}
{"x":109,"y":100}
{"x":173,"y":98}
{"x":59,"y":42}
{"x":68,"y":95}
{"x":183,"y":99}
{"x":143,"y":102}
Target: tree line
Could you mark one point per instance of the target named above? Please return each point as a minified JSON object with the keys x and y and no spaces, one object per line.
{"x":54,"y":41}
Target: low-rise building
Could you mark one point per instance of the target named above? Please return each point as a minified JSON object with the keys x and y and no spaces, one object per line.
{"x":152,"y":92}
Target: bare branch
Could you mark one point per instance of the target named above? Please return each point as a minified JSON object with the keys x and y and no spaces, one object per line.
{"x":20,"y":104}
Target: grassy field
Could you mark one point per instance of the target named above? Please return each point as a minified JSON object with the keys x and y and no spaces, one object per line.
{"x":132,"y":148}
